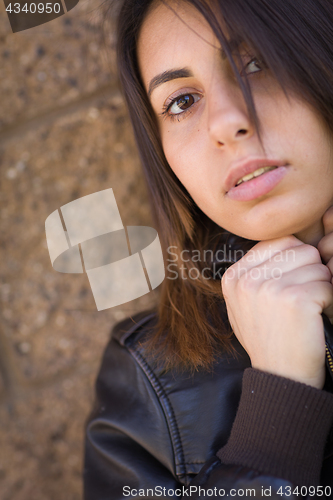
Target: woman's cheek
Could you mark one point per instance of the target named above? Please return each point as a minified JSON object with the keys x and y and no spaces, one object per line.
{"x":178,"y":154}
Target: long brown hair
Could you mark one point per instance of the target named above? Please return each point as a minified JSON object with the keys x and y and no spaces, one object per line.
{"x":294,"y":40}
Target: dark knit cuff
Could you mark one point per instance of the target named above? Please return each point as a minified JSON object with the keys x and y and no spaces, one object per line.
{"x":280,"y":428}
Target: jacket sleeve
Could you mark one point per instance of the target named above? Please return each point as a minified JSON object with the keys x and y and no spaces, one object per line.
{"x":277,"y":440}
{"x":278,"y":436}
{"x":129,"y":453}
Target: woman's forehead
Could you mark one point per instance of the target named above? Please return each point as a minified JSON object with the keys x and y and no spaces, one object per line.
{"x":171,"y":17}
{"x":173,"y":32}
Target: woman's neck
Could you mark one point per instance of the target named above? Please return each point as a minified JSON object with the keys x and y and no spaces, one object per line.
{"x":313,"y":234}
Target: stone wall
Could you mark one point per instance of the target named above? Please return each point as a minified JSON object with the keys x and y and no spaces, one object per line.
{"x":64,"y":133}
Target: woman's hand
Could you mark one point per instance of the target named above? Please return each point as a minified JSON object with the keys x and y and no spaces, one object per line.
{"x":325,"y":247}
{"x":275,"y":295}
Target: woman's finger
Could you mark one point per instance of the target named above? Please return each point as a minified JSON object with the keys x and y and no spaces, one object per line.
{"x":325,"y":247}
{"x":328,"y":221}
{"x":300,"y":276}
{"x":261,"y":252}
{"x":271,"y":261}
{"x":329,"y":265}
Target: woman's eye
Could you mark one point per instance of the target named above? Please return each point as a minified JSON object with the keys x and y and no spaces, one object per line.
{"x":180,"y":104}
{"x":254,"y":66}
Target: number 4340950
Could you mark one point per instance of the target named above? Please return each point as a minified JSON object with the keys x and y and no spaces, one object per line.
{"x":305,"y":491}
{"x":33,"y":8}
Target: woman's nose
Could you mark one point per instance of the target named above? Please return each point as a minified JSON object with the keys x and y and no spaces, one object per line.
{"x":228,"y":120}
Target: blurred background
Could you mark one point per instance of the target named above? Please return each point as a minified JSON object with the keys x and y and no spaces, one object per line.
{"x":64,"y":134}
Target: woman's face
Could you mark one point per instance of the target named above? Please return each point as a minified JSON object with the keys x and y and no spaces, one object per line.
{"x":210,"y":144}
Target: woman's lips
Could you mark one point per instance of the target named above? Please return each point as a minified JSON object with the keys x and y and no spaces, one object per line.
{"x":258,"y":186}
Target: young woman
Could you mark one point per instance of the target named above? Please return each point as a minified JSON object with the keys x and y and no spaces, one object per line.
{"x":226,"y":389}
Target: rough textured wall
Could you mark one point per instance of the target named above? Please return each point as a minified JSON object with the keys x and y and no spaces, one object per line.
{"x":64,"y":133}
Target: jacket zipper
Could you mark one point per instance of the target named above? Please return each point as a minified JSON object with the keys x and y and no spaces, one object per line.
{"x":328,"y":330}
{"x":329,"y":357}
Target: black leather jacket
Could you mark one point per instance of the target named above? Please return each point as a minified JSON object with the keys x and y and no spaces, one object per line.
{"x":155,"y":435}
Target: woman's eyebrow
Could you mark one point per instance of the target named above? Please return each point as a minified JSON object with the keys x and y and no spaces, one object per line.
{"x":167,"y":76}
{"x":173,"y":74}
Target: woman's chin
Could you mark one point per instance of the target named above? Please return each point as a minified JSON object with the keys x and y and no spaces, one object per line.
{"x":261,"y":234}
